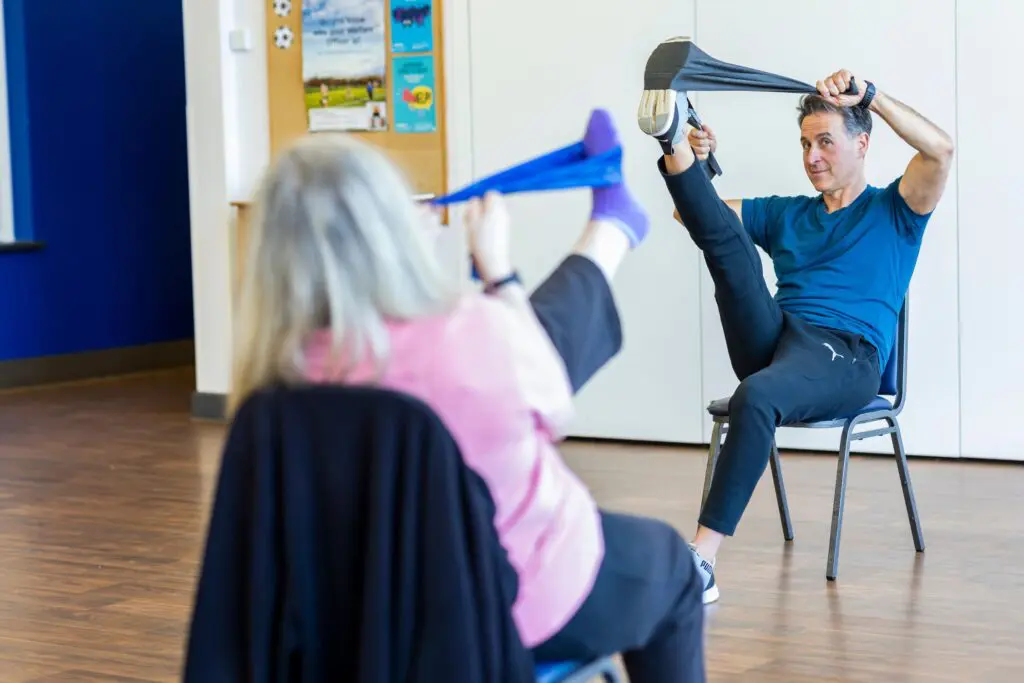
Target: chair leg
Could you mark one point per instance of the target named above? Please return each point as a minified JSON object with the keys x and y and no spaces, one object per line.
{"x":832,"y":568}
{"x":713,"y":450}
{"x":908,"y":488}
{"x":780,"y":494}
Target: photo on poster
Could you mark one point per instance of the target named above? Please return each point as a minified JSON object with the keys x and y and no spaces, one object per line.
{"x":414,"y":103}
{"x":412,"y":26}
{"x":344,"y":57}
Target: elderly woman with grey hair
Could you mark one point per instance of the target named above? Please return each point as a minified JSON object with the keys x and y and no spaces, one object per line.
{"x":342,"y":285}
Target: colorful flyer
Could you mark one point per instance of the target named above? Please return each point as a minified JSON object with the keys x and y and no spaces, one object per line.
{"x":344,"y":64}
{"x":415,"y":110}
{"x":412,"y":26}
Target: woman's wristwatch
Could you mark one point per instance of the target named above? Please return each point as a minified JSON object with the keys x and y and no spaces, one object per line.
{"x":491,"y":287}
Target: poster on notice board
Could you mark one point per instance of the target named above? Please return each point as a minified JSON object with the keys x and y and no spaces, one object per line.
{"x":412,"y":26}
{"x":414,"y":105}
{"x":344,"y":66}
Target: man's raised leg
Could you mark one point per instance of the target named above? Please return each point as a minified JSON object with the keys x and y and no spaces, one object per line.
{"x":751,"y":319}
{"x":575,"y":304}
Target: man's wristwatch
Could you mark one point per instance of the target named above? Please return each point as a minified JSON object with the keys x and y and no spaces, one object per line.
{"x":491,"y":287}
{"x":869,"y":94}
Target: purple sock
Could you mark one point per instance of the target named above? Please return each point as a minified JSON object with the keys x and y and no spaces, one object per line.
{"x":614,"y":202}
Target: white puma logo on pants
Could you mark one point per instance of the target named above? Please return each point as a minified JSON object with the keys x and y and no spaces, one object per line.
{"x":834,"y":354}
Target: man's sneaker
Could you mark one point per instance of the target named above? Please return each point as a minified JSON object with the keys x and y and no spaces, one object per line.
{"x":661,"y":110}
{"x":659,"y":116}
{"x":707,"y":574}
{"x":663,"y":107}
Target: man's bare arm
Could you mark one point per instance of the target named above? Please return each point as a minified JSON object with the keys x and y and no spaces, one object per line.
{"x":737,"y":206}
{"x":925,"y":178}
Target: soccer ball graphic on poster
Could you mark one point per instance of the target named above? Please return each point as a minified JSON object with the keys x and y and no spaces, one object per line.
{"x":282,"y":8}
{"x":283,"y":37}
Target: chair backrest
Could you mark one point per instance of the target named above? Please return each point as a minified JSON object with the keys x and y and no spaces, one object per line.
{"x":345,"y":516}
{"x":894,"y":374}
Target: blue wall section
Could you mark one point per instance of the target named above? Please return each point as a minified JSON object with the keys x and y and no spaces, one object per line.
{"x":97,"y":97}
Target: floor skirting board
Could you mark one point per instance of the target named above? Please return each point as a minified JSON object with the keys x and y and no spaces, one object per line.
{"x":95,"y":364}
{"x":209,"y":406}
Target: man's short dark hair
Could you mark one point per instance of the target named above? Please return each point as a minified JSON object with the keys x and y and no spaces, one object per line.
{"x":856,"y":119}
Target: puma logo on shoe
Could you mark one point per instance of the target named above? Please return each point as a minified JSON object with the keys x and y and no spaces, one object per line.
{"x":834,"y":354}
{"x":706,"y":571}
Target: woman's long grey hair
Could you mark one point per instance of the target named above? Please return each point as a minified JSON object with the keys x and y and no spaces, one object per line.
{"x":336,"y":243}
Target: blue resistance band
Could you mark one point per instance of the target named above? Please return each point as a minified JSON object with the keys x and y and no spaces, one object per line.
{"x":565,"y":168}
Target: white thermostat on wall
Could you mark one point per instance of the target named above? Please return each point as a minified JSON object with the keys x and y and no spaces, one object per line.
{"x":240,"y":40}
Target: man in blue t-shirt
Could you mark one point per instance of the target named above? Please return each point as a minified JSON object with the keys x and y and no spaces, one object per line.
{"x":843,"y":259}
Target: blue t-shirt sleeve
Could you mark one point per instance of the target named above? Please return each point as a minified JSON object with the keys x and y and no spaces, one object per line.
{"x":909,"y":224}
{"x":759,"y":215}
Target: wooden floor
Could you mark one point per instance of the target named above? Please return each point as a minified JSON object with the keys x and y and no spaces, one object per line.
{"x":105,"y":491}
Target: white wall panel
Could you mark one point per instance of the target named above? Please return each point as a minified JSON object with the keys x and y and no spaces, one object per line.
{"x":990,"y":54}
{"x":534,"y":82}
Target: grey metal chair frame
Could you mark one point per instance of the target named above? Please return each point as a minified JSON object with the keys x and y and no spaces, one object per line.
{"x":849,"y":435}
